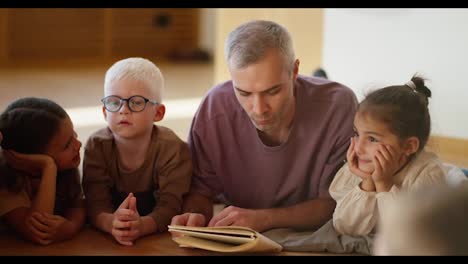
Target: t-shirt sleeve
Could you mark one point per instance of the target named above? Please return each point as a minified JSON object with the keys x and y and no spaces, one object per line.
{"x":97,"y":182}
{"x":343,"y":125}
{"x":174,"y":167}
{"x":205,"y":180}
{"x":12,"y":200}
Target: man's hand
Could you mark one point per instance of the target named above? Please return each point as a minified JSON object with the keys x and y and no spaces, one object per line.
{"x":234,"y":216}
{"x":189,"y":219}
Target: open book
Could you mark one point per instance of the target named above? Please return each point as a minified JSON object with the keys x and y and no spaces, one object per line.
{"x":223,"y":239}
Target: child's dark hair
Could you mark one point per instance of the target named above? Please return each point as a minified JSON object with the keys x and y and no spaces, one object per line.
{"x":404,"y":108}
{"x":28,"y":124}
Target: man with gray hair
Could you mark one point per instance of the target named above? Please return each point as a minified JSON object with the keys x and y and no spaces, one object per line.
{"x":269,"y":141}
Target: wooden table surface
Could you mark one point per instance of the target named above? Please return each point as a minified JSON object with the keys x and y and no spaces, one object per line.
{"x":91,"y":242}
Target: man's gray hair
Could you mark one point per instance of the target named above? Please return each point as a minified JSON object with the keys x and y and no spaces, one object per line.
{"x":138,"y":69}
{"x":249,"y":42}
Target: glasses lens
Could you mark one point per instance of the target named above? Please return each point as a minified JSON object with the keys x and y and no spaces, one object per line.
{"x":137,"y":103}
{"x":112,"y":103}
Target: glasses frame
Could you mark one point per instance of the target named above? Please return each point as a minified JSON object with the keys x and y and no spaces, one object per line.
{"x":128,"y":101}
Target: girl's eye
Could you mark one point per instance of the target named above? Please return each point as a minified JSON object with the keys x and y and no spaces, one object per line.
{"x":373,"y":139}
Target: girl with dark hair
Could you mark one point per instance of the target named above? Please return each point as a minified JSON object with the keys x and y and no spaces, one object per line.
{"x":40,"y":192}
{"x":386,"y":156}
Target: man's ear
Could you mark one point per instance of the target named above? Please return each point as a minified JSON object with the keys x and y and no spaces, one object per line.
{"x":160,"y":111}
{"x":296,"y":69}
{"x":411,"y":145}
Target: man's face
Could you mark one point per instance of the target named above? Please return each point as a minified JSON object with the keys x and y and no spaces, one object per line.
{"x":265,"y":91}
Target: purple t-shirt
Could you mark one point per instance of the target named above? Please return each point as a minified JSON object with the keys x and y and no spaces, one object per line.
{"x":230,"y":159}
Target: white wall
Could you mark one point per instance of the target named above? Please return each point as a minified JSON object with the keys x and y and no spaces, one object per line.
{"x":207,"y":29}
{"x":372,"y":48}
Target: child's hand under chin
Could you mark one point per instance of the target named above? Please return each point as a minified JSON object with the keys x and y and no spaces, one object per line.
{"x":33,"y":164}
{"x":387,"y":162}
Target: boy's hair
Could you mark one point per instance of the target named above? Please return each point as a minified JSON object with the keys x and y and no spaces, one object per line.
{"x":249,"y":42}
{"x":403,"y":108}
{"x":138,"y":69}
{"x":430,"y":221}
{"x":28,"y":124}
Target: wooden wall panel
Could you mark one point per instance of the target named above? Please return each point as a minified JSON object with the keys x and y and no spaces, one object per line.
{"x":136,"y":31}
{"x":43,"y":33}
{"x":55,"y":32}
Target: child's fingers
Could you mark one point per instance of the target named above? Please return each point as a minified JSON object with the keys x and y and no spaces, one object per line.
{"x":38,"y":223}
{"x":122,"y":241}
{"x":38,"y":234}
{"x":121,"y":224}
{"x":125,"y":202}
{"x":377,"y":164}
{"x":385,"y":153}
{"x":124,"y":234}
{"x":124,"y":214}
{"x":132,"y":204}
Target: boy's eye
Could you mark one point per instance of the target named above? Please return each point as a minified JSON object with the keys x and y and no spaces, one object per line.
{"x":137,"y":103}
{"x":113,"y":103}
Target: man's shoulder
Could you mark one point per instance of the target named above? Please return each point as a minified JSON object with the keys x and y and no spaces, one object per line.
{"x":219,"y":101}
{"x":325,"y":87}
{"x":220,"y":92}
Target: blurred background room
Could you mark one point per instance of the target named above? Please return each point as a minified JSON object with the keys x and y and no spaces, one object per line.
{"x":62,"y":54}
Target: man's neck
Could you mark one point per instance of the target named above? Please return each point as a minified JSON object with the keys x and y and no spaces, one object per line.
{"x":281,"y":134}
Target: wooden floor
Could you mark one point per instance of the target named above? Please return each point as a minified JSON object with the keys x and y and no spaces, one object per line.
{"x":78,"y":86}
